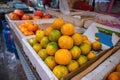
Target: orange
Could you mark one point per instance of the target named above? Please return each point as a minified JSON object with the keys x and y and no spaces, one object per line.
{"x":32,"y":27}
{"x":54,"y":35}
{"x":28,"y":27}
{"x":51,"y":48}
{"x":28,"y":22}
{"x":96,"y":45}
{"x":23,"y":29}
{"x":31,"y":32}
{"x":58,"y":23}
{"x":65,"y":42}
{"x":50,"y":61}
{"x":63,"y":56}
{"x":39,"y":35}
{"x":37,"y":47}
{"x":26,"y":33}
{"x":20,"y":26}
{"x":43,"y":54}
{"x":85,"y":48}
{"x":48,"y":30}
{"x":82,"y":60}
{"x":88,"y":42}
{"x":60,"y":71}
{"x":118,"y":68}
{"x":44,"y":41}
{"x":73,"y":65}
{"x":91,"y":55}
{"x":75,"y":52}
{"x":84,"y":37}
{"x":67,"y":29}
{"x":77,"y":38}
{"x":114,"y":76}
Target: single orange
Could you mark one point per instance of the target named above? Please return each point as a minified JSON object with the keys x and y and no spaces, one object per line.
{"x":33,"y":27}
{"x":114,"y":76}
{"x":67,"y":29}
{"x":63,"y":56}
{"x":118,"y":68}
{"x":65,"y":42}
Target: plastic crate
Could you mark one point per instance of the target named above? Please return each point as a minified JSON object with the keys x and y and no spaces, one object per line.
{"x":42,"y":69}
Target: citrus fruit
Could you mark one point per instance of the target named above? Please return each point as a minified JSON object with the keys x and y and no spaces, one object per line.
{"x":118,"y":68}
{"x":84,"y":37}
{"x":44,"y":41}
{"x":51,"y":48}
{"x":63,"y":56}
{"x":77,"y":38}
{"x":75,"y":52}
{"x":85,"y":48}
{"x":73,"y":65}
{"x":60,"y":71}
{"x":32,"y":41}
{"x":65,"y":42}
{"x":43,"y":54}
{"x":54,"y":35}
{"x":114,"y":76}
{"x":58,"y":23}
{"x":32,"y":27}
{"x":82,"y":59}
{"x":28,"y":22}
{"x":37,"y":47}
{"x":39,"y":35}
{"x":96,"y":45}
{"x":88,"y":42}
{"x":91,"y":55}
{"x":48,"y":30}
{"x":50,"y":61}
{"x":67,"y":29}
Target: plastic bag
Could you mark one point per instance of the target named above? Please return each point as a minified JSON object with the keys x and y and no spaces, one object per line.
{"x":64,"y":7}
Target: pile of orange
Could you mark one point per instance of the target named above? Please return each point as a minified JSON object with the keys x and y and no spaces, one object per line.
{"x":64,"y":49}
{"x":28,"y":28}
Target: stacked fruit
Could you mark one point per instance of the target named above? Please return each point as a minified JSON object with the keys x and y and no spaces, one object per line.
{"x":63,"y":49}
{"x":28,"y":28}
{"x":18,"y":14}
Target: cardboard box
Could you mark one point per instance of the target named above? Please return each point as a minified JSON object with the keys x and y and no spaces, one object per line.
{"x":108,"y":36}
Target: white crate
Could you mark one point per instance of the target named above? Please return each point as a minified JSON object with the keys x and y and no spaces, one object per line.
{"x":43,"y":70}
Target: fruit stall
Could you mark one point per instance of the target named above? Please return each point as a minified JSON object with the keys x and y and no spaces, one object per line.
{"x":54,"y":46}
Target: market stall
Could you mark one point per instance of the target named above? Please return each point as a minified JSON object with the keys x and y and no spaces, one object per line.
{"x":80,"y":36}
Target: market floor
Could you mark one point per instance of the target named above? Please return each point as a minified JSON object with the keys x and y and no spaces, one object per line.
{"x":10,"y":67}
